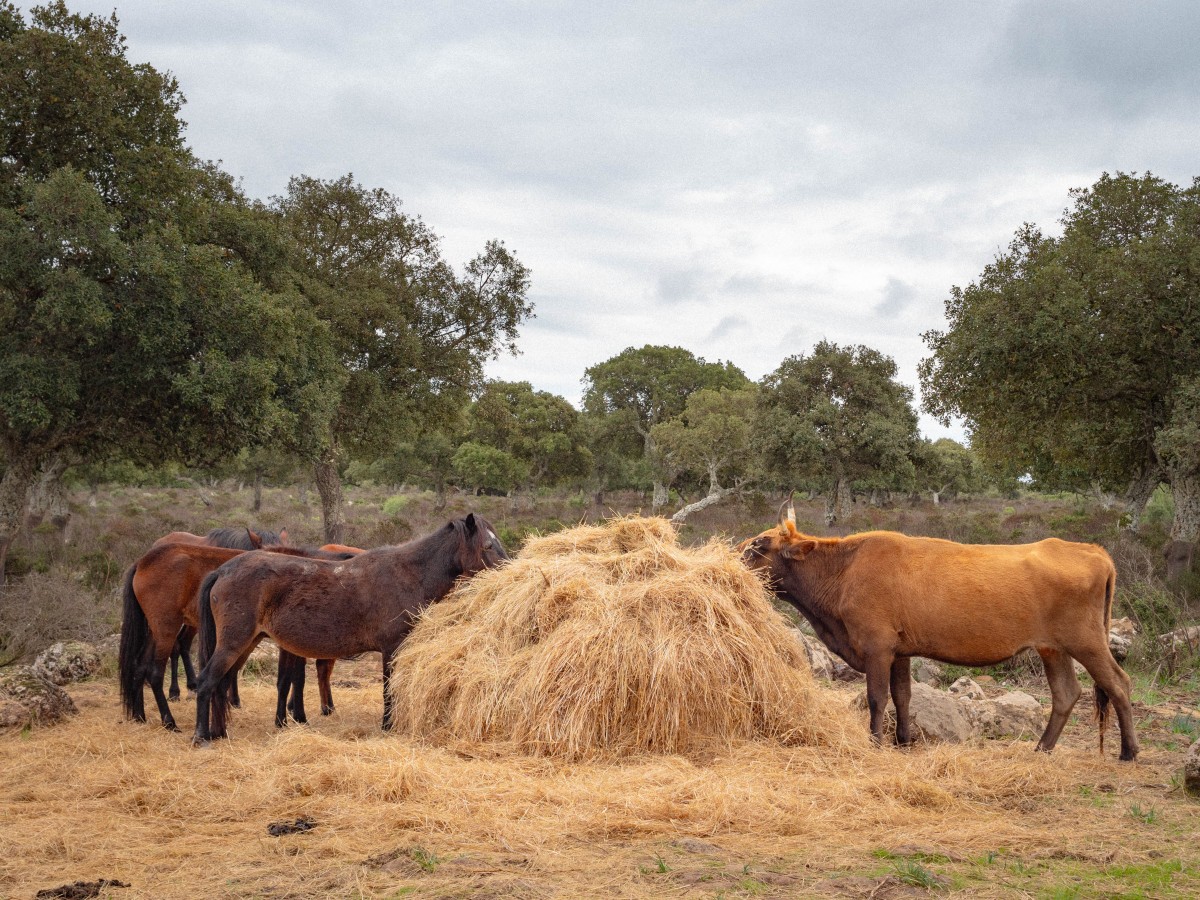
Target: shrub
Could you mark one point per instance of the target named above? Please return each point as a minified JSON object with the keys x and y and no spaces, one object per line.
{"x":45,"y":607}
{"x":393,"y":505}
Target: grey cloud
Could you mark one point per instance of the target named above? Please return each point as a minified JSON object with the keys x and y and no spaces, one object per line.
{"x":726,"y":327}
{"x":897,"y":296}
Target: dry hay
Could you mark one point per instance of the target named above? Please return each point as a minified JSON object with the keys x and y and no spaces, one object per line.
{"x":613,"y":639}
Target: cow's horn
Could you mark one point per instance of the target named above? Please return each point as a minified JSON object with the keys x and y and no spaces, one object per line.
{"x":787,"y":512}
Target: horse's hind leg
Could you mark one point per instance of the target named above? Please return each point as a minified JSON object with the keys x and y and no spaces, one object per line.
{"x":324,"y":675}
{"x":1064,"y":692}
{"x":183,"y":653}
{"x":209,"y":680}
{"x":158,"y":672}
{"x":289,"y":689}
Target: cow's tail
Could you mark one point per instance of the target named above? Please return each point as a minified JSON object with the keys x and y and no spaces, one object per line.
{"x":208,"y":644}
{"x":1110,"y":586}
{"x":135,"y":633}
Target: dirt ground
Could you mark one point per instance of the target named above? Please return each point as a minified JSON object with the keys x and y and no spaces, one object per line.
{"x":100,"y":798}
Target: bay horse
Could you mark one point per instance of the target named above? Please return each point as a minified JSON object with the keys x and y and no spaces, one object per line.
{"x":324,"y":610}
{"x":159,"y":599}
{"x":235,"y":539}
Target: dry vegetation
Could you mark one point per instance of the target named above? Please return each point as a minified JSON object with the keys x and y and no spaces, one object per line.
{"x":450,"y":816}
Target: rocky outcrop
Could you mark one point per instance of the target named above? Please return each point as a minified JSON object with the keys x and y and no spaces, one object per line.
{"x":1191,"y":770}
{"x":964,"y":712}
{"x":29,"y":698}
{"x":67,"y":661}
{"x":825,"y":664}
{"x":1121,"y":633}
{"x":927,"y":672}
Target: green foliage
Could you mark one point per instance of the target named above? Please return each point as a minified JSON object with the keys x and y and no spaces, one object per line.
{"x":411,"y":335}
{"x":392,"y":506}
{"x":481,"y":467}
{"x":1077,"y":358}
{"x":837,"y":414}
{"x":711,"y":437}
{"x":537,"y":428}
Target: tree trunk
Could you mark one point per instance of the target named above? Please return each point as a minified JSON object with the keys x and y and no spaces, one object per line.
{"x":845,"y":501}
{"x":329,"y":486}
{"x":1180,"y":551}
{"x":1139,"y":492}
{"x":15,"y":487}
{"x":713,"y":497}
{"x":258,"y":480}
{"x":48,"y":497}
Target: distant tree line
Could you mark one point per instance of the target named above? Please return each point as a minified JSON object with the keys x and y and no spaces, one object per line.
{"x":151,"y":314}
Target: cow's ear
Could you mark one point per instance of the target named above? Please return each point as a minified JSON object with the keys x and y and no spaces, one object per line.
{"x":799,"y":549}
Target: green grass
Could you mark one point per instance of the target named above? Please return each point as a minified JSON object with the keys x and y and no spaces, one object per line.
{"x":427,"y":860}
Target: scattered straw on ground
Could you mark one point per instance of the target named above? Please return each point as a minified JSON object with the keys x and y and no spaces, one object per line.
{"x":613,"y":639}
{"x":101,"y":798}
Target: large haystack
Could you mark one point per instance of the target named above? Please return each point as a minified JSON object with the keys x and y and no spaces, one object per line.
{"x":613,"y":639}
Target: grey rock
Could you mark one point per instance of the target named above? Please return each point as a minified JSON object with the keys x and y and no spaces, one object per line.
{"x":966,"y":689}
{"x":819,"y":659}
{"x":29,"y":698}
{"x":67,"y":661}
{"x":927,"y":672}
{"x":1191,"y":770}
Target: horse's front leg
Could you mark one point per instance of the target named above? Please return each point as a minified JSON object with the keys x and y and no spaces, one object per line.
{"x":388,"y":712}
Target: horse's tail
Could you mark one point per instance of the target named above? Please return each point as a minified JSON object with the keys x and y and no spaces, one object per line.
{"x":208,"y":644}
{"x":1110,"y":586}
{"x":135,"y":633}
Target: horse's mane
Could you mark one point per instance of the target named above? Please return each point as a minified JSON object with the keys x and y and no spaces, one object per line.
{"x":238,"y":539}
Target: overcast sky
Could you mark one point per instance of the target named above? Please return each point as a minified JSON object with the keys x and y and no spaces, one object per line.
{"x":740,"y":179}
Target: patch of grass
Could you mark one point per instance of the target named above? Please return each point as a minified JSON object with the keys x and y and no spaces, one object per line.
{"x":426,"y":859}
{"x":1149,"y":816}
{"x":660,"y":866}
{"x":911,"y":872}
{"x":1184,"y":724}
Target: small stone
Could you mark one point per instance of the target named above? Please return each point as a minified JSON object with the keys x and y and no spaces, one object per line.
{"x":985,"y":680}
{"x":695,"y":845}
{"x":966,"y":689}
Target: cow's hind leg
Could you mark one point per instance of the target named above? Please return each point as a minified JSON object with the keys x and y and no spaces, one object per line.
{"x":901,"y":694}
{"x":1064,"y":692}
{"x":1111,"y":684}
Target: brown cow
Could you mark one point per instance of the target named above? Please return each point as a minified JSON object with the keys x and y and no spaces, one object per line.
{"x":879,"y":598}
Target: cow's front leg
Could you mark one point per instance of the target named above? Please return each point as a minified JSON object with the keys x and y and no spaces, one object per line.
{"x":901,"y":693}
{"x":879,"y":667}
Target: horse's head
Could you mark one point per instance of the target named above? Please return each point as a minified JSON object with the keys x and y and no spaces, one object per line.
{"x":479,"y":547}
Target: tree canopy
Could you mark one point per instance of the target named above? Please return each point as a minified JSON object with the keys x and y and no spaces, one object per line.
{"x":650,"y":384}
{"x":837,"y":416}
{"x":1070,"y":357}
{"x":131,"y":320}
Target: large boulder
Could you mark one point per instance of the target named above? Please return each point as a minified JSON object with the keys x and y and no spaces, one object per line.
{"x":933,"y":714}
{"x":67,"y":661}
{"x":818,"y":657}
{"x":1191,"y":770}
{"x":927,"y":672}
{"x":29,"y":698}
{"x":1015,"y":714}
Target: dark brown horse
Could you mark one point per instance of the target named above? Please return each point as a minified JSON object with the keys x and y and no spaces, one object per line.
{"x":322,"y":610}
{"x":159,"y":598}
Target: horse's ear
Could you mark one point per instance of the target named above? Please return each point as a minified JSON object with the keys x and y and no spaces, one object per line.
{"x":255,"y":540}
{"x":469,"y":521}
{"x":283,"y":538}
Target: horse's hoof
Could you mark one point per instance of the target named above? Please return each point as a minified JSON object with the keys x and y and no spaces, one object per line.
{"x":171,"y":726}
{"x":326,"y":710}
{"x":201,"y":743}
{"x":174,"y":695}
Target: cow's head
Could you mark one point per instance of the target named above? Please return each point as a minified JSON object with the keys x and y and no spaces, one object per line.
{"x":777,"y":546}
